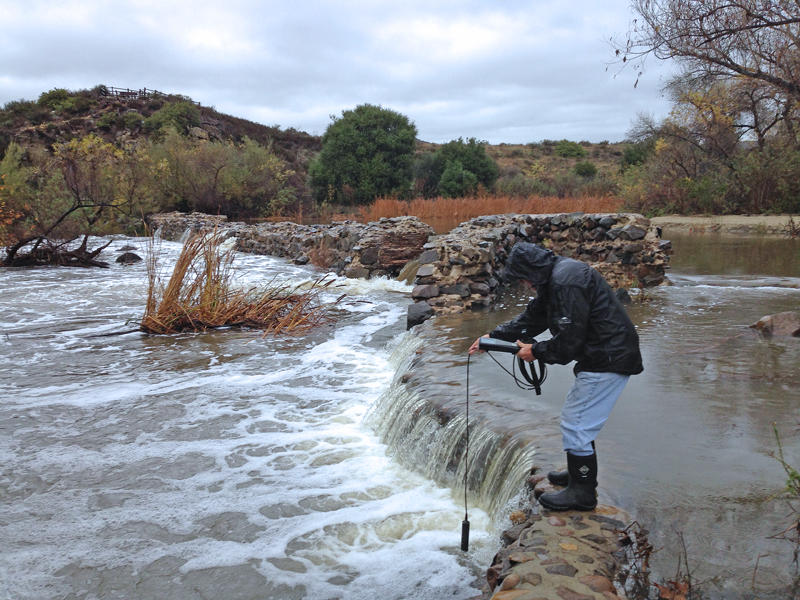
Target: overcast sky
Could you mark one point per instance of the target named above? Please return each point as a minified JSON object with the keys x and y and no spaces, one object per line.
{"x":498,"y":70}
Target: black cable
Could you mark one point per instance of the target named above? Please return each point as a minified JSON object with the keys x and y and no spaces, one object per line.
{"x":466,"y":448}
{"x":465,"y":522}
{"x":532,"y":380}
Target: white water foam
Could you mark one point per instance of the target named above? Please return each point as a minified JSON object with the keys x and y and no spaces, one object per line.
{"x":217,"y":463}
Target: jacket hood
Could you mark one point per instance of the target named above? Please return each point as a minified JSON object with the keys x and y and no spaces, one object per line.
{"x":530,"y":262}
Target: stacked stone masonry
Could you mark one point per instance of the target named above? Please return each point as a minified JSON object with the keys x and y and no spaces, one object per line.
{"x":565,"y":556}
{"x":455,"y":271}
{"x":460,"y":269}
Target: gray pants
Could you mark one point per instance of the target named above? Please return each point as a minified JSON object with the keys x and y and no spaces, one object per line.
{"x":587,"y":407}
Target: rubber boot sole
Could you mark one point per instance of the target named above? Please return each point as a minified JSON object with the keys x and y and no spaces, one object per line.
{"x":564,"y":507}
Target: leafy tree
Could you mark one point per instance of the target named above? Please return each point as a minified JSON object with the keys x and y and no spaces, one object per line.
{"x":366,"y":153}
{"x":473,"y":158}
{"x":426,"y":175}
{"x":53,"y":199}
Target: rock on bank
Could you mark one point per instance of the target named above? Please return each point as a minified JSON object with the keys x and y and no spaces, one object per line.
{"x":454,"y":271}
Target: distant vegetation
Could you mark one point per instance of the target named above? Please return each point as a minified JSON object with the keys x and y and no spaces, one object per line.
{"x":731,"y":143}
{"x":89,"y":161}
{"x":79,"y":163}
{"x":454,"y":210}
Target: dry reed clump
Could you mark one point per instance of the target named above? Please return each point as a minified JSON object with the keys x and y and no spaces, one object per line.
{"x":199,"y":296}
{"x":468,"y":208}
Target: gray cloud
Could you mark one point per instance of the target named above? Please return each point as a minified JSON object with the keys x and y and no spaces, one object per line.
{"x":504,"y":72}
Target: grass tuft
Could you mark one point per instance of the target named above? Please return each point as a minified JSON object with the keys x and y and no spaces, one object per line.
{"x":199,"y":296}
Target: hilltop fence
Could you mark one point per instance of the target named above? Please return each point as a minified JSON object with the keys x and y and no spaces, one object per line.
{"x":110,"y":91}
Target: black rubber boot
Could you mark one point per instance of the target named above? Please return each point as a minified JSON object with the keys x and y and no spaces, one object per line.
{"x":581,"y":493}
{"x":561,"y":478}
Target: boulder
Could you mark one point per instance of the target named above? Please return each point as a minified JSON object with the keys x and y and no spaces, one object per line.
{"x":128,"y":258}
{"x":780,"y":324}
{"x":418,"y":312}
{"x":423,"y":292}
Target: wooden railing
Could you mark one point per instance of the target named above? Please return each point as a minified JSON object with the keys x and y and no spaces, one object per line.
{"x":129,"y":94}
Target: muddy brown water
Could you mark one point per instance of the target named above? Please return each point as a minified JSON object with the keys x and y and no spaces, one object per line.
{"x":688,"y":447}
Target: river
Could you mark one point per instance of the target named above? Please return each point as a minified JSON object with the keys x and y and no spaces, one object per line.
{"x":328,"y":465}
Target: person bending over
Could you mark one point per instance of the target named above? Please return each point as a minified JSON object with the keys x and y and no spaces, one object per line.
{"x":589,"y":325}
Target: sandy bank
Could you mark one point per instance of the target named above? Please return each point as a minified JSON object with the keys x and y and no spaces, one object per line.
{"x":771,"y":225}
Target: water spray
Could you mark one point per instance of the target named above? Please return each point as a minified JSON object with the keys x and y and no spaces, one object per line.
{"x":533,"y":381}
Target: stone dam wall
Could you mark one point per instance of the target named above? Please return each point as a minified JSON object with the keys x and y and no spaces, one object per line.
{"x":450,"y":272}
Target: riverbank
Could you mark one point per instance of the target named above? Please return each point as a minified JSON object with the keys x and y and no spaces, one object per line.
{"x":767,"y":225}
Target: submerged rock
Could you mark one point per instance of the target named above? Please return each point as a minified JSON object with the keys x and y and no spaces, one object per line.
{"x":780,"y":324}
{"x":128,"y":258}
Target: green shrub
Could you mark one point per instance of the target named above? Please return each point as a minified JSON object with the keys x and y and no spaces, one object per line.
{"x":472,"y":157}
{"x":75,"y":105}
{"x":517,"y":184}
{"x":585,"y":169}
{"x":54,"y":98}
{"x":475,"y":165}
{"x":181,"y":115}
{"x":456,"y":181}
{"x":636,"y":154}
{"x":567,"y":185}
{"x":108,"y":120}
{"x":567,"y":149}
{"x":17,"y":112}
{"x":132,"y":120}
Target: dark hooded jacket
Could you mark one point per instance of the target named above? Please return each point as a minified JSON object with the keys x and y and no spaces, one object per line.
{"x":587,"y":321}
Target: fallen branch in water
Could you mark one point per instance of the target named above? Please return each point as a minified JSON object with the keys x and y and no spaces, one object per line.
{"x":38,"y":252}
{"x":199,"y":295}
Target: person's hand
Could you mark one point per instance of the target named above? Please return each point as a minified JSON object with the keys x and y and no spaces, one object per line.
{"x":525,"y":351}
{"x":474,"y":348}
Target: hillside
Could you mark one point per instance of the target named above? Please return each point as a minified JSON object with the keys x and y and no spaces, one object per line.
{"x":115,"y":115}
{"x":547,"y":168}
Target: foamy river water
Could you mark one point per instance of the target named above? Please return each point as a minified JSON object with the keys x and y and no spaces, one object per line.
{"x":215,"y":465}
{"x":328,"y":465}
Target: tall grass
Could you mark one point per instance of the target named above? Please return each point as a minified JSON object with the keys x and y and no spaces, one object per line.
{"x":468,"y":208}
{"x":199,"y":295}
